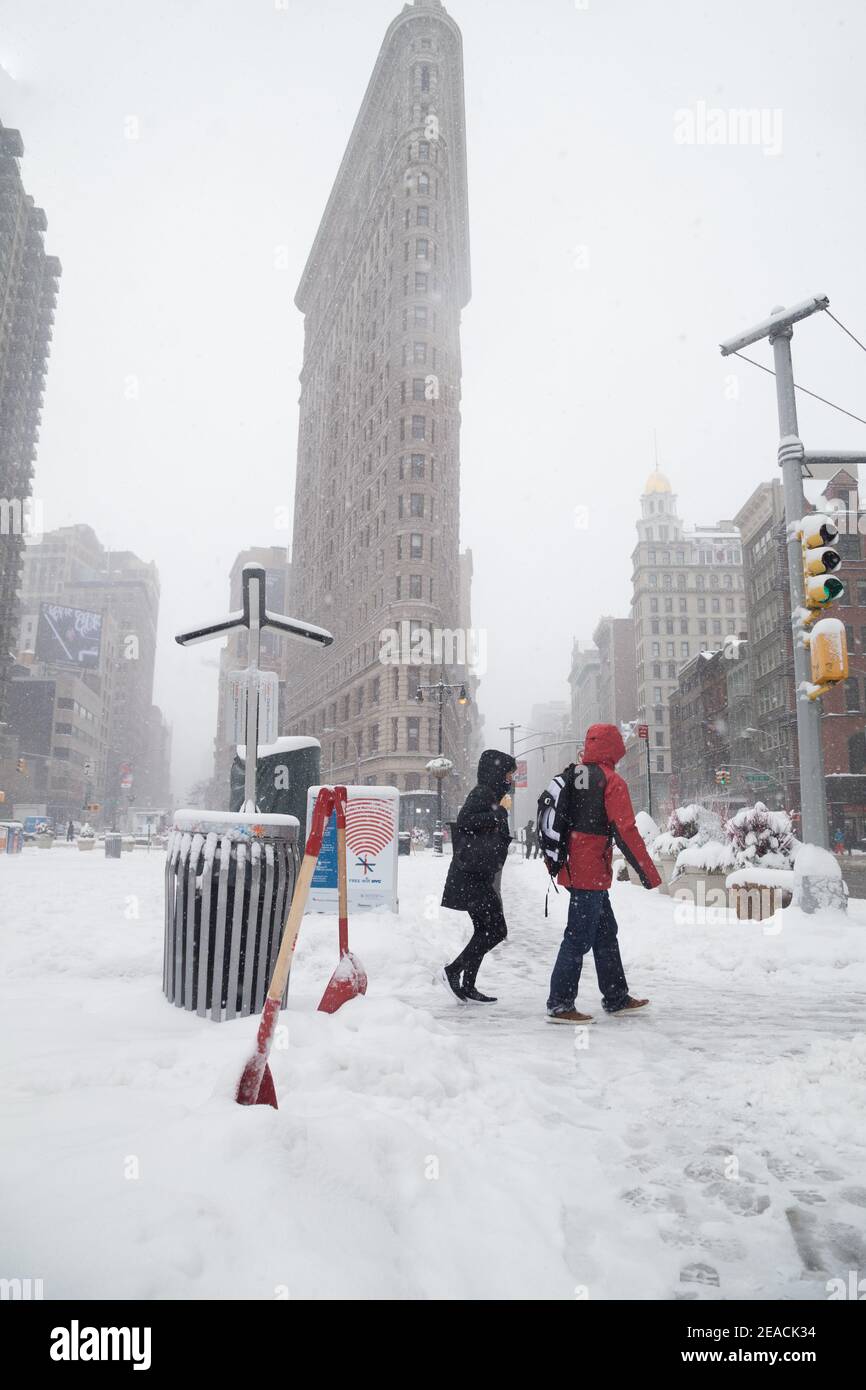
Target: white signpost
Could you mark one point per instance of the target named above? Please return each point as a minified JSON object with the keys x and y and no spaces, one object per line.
{"x":372,"y":822}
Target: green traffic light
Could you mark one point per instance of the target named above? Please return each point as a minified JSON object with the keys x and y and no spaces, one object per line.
{"x":833,"y":589}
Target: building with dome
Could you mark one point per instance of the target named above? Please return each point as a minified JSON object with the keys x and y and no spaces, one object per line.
{"x":688,"y":596}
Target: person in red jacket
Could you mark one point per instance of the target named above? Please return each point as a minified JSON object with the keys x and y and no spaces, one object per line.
{"x":600,"y":813}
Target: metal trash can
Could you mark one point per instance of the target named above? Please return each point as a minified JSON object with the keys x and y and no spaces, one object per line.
{"x":112,"y":845}
{"x":404,"y":841}
{"x":229,"y":880}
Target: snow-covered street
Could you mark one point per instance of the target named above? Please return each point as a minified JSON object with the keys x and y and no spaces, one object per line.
{"x":713,"y":1146}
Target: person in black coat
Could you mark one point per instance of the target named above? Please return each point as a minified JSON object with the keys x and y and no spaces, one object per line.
{"x":529,"y":839}
{"x":480,"y":847}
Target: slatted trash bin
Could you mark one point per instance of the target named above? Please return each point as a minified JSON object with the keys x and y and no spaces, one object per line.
{"x":229,"y":880}
{"x":112,"y":845}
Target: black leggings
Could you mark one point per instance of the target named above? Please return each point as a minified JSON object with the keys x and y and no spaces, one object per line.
{"x":488,"y":921}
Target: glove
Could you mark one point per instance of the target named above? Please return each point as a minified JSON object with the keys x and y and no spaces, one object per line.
{"x":505,"y":803}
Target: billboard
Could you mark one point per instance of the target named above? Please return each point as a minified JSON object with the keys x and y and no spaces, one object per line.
{"x":68,"y":636}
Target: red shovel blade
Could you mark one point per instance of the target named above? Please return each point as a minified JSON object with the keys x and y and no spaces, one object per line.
{"x":256,"y":1086}
{"x":348,"y":980}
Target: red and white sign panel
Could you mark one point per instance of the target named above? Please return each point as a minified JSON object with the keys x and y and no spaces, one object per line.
{"x":521,"y":775}
{"x":643,"y":731}
{"x":372,"y":818}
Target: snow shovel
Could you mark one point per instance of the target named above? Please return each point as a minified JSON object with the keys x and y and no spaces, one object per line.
{"x":350,"y":978}
{"x":256,"y":1086}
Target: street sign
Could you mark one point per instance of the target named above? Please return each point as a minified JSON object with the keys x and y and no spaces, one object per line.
{"x":757,"y":777}
{"x":643,"y":731}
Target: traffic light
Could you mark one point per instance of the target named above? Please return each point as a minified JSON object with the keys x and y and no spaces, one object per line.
{"x":723,"y":776}
{"x":22,"y":766}
{"x":827,"y":642}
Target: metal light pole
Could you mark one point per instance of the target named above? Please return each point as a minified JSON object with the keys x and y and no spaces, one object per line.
{"x":779,"y":329}
{"x":440,"y":691}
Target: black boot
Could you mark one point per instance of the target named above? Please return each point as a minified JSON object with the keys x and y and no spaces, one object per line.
{"x":470,"y":992}
{"x":451,"y":978}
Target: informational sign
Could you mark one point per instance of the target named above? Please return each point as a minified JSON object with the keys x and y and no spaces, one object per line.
{"x":269,"y":706}
{"x":68,"y":636}
{"x":643,"y":731}
{"x":371,"y":851}
{"x":125,"y":776}
{"x":520,"y":777}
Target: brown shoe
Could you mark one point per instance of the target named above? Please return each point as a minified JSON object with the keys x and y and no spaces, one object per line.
{"x":570,"y":1016}
{"x":630,"y":1005}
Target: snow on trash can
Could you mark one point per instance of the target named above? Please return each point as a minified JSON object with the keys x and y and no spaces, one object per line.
{"x":112,"y":845}
{"x":229,"y":880}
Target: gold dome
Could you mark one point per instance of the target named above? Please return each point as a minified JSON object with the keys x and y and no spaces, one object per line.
{"x":657,"y":482}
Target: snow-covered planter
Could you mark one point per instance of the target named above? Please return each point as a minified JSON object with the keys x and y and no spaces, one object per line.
{"x":818,"y":882}
{"x":45,"y":839}
{"x":87,"y":842}
{"x":707,"y":864}
{"x":757,"y":893}
{"x":690,"y":828}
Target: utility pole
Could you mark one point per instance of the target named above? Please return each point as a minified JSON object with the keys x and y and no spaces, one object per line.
{"x":779,"y":329}
{"x":795,"y":462}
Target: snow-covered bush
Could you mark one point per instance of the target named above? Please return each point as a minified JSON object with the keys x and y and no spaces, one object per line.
{"x":762,"y":837}
{"x":689,"y":826}
{"x":711,"y":857}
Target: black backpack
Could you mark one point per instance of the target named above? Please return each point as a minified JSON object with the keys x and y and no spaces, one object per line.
{"x":553,"y":821}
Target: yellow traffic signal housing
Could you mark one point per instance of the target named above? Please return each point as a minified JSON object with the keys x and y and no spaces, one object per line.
{"x":820,"y":560}
{"x":828,"y":648}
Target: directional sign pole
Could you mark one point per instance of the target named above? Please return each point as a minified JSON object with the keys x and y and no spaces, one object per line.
{"x":254,"y":617}
{"x":252,"y":683}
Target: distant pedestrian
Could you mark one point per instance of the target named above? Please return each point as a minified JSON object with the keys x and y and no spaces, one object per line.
{"x":480,"y":847}
{"x":529,"y":839}
{"x":839,"y":840}
{"x":70,"y":831}
{"x":598,"y":810}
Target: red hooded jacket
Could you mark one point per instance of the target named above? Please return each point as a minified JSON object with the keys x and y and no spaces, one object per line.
{"x":603,"y":813}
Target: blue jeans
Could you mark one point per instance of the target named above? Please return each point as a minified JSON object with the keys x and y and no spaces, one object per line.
{"x":591,"y":927}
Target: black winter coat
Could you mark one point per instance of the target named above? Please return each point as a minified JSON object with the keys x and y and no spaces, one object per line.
{"x":480,"y":835}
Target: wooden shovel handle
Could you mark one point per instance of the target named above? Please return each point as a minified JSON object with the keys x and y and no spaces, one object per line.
{"x":321,"y":815}
{"x":341,"y":796}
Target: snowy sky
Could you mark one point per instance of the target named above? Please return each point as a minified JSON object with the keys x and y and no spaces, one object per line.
{"x":184,"y":154}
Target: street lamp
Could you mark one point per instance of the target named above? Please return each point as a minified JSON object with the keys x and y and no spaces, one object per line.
{"x":440,"y":767}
